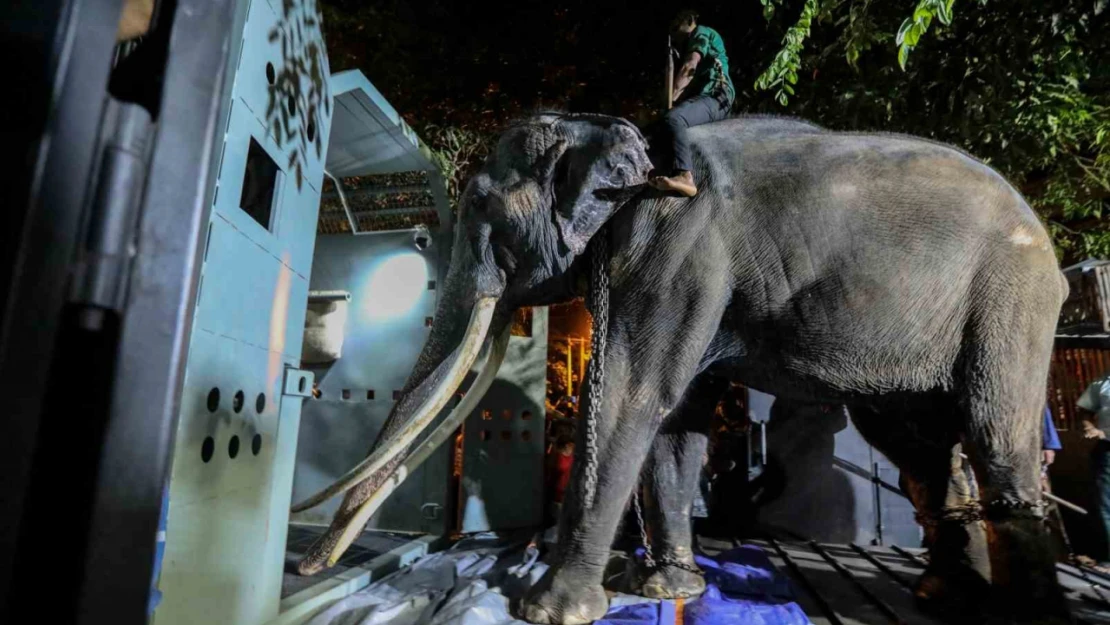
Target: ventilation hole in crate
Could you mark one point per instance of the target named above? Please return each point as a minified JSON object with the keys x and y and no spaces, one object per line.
{"x":207,"y":448}
{"x":506,"y":435}
{"x":256,"y":444}
{"x":487,"y":415}
{"x":233,"y":447}
{"x":311,"y":130}
{"x":428,"y":322}
{"x":291,"y":105}
{"x":237,"y":401}
{"x":396,"y":395}
{"x":260,"y":403}
{"x":370,"y":395}
{"x":507,"y":415}
{"x":484,"y":435}
{"x":213,"y":399}
{"x":525,"y":436}
{"x":431,"y":285}
{"x":271,"y":75}
{"x":301,"y":384}
{"x":526,"y":415}
{"x":346,"y":393}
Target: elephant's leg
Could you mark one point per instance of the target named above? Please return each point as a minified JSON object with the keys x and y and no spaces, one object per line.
{"x":1003,"y":442}
{"x":649,"y":362}
{"x":923,"y":444}
{"x":670,"y":482}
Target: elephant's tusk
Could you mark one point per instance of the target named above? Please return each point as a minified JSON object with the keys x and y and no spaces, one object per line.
{"x":443,"y":431}
{"x":468,"y":352}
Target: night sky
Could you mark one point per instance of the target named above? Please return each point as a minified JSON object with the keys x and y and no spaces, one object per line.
{"x":450,"y":62}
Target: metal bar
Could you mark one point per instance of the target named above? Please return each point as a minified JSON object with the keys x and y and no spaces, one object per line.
{"x":394,"y":212}
{"x":343,"y":201}
{"x":916,"y":559}
{"x":329,"y":295}
{"x":374,"y":191}
{"x":823,"y":605}
{"x":877,"y":493}
{"x":1063,"y":502}
{"x":859,"y":471}
{"x":669,"y":99}
{"x":882,"y":566}
{"x":875,"y":600}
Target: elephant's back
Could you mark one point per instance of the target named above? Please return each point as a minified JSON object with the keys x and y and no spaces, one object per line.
{"x":858,"y":248}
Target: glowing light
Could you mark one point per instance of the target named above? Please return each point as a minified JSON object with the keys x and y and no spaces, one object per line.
{"x":395,"y":286}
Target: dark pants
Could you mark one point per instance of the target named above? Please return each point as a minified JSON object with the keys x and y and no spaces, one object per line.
{"x":672,"y":134}
{"x":1100,"y":462}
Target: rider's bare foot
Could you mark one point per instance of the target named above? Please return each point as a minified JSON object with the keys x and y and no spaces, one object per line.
{"x":681,"y":183}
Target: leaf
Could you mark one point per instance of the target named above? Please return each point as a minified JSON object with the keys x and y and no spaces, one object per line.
{"x":902,"y":30}
{"x":903,"y":55}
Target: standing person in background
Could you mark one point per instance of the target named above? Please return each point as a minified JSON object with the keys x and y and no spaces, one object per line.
{"x":1050,"y":440}
{"x":1094,"y":419}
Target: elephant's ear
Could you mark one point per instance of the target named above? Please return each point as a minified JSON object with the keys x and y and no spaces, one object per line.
{"x":590,"y":181}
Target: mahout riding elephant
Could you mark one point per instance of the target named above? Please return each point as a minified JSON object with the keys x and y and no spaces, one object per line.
{"x":896,"y":276}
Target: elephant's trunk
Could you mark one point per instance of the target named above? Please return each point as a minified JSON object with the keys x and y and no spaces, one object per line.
{"x":450,"y":352}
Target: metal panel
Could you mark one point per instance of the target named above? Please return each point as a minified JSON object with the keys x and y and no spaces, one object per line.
{"x":236,"y":441}
{"x":826,"y":473}
{"x":384,"y":334}
{"x":502,"y":449}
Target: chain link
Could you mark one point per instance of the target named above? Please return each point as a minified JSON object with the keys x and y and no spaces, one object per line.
{"x":599,"y":309}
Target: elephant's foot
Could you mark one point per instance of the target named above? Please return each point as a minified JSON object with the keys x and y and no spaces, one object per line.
{"x":564,"y":597}
{"x":952,"y":597}
{"x":1024,"y":583}
{"x":672,"y":582}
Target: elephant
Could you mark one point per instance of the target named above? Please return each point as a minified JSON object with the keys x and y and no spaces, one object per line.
{"x":896,"y":276}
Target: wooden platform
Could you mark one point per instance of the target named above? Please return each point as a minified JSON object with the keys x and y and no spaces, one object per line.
{"x":855,"y":585}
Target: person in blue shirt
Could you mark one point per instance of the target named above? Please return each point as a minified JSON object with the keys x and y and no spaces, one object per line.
{"x":1051,"y":440}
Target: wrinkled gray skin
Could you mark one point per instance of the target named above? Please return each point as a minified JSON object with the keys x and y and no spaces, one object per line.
{"x":897,"y":276}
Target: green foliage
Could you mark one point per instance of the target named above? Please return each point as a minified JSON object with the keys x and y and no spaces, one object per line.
{"x":456,"y":152}
{"x":783,"y":71}
{"x":915,"y":26}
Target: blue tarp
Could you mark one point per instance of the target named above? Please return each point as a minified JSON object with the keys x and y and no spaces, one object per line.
{"x":743,"y":587}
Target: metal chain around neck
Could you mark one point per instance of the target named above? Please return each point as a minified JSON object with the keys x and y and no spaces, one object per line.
{"x":599,"y":309}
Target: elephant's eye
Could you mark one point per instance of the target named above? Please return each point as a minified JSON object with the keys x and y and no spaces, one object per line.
{"x":504,"y":257}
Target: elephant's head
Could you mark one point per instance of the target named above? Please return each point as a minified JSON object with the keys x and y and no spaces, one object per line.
{"x":549,"y":185}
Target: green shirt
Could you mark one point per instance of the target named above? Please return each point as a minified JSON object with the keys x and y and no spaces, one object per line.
{"x":711,"y":76}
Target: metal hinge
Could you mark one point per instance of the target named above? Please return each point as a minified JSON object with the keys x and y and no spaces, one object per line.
{"x":103,"y":264}
{"x":298,"y":382}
